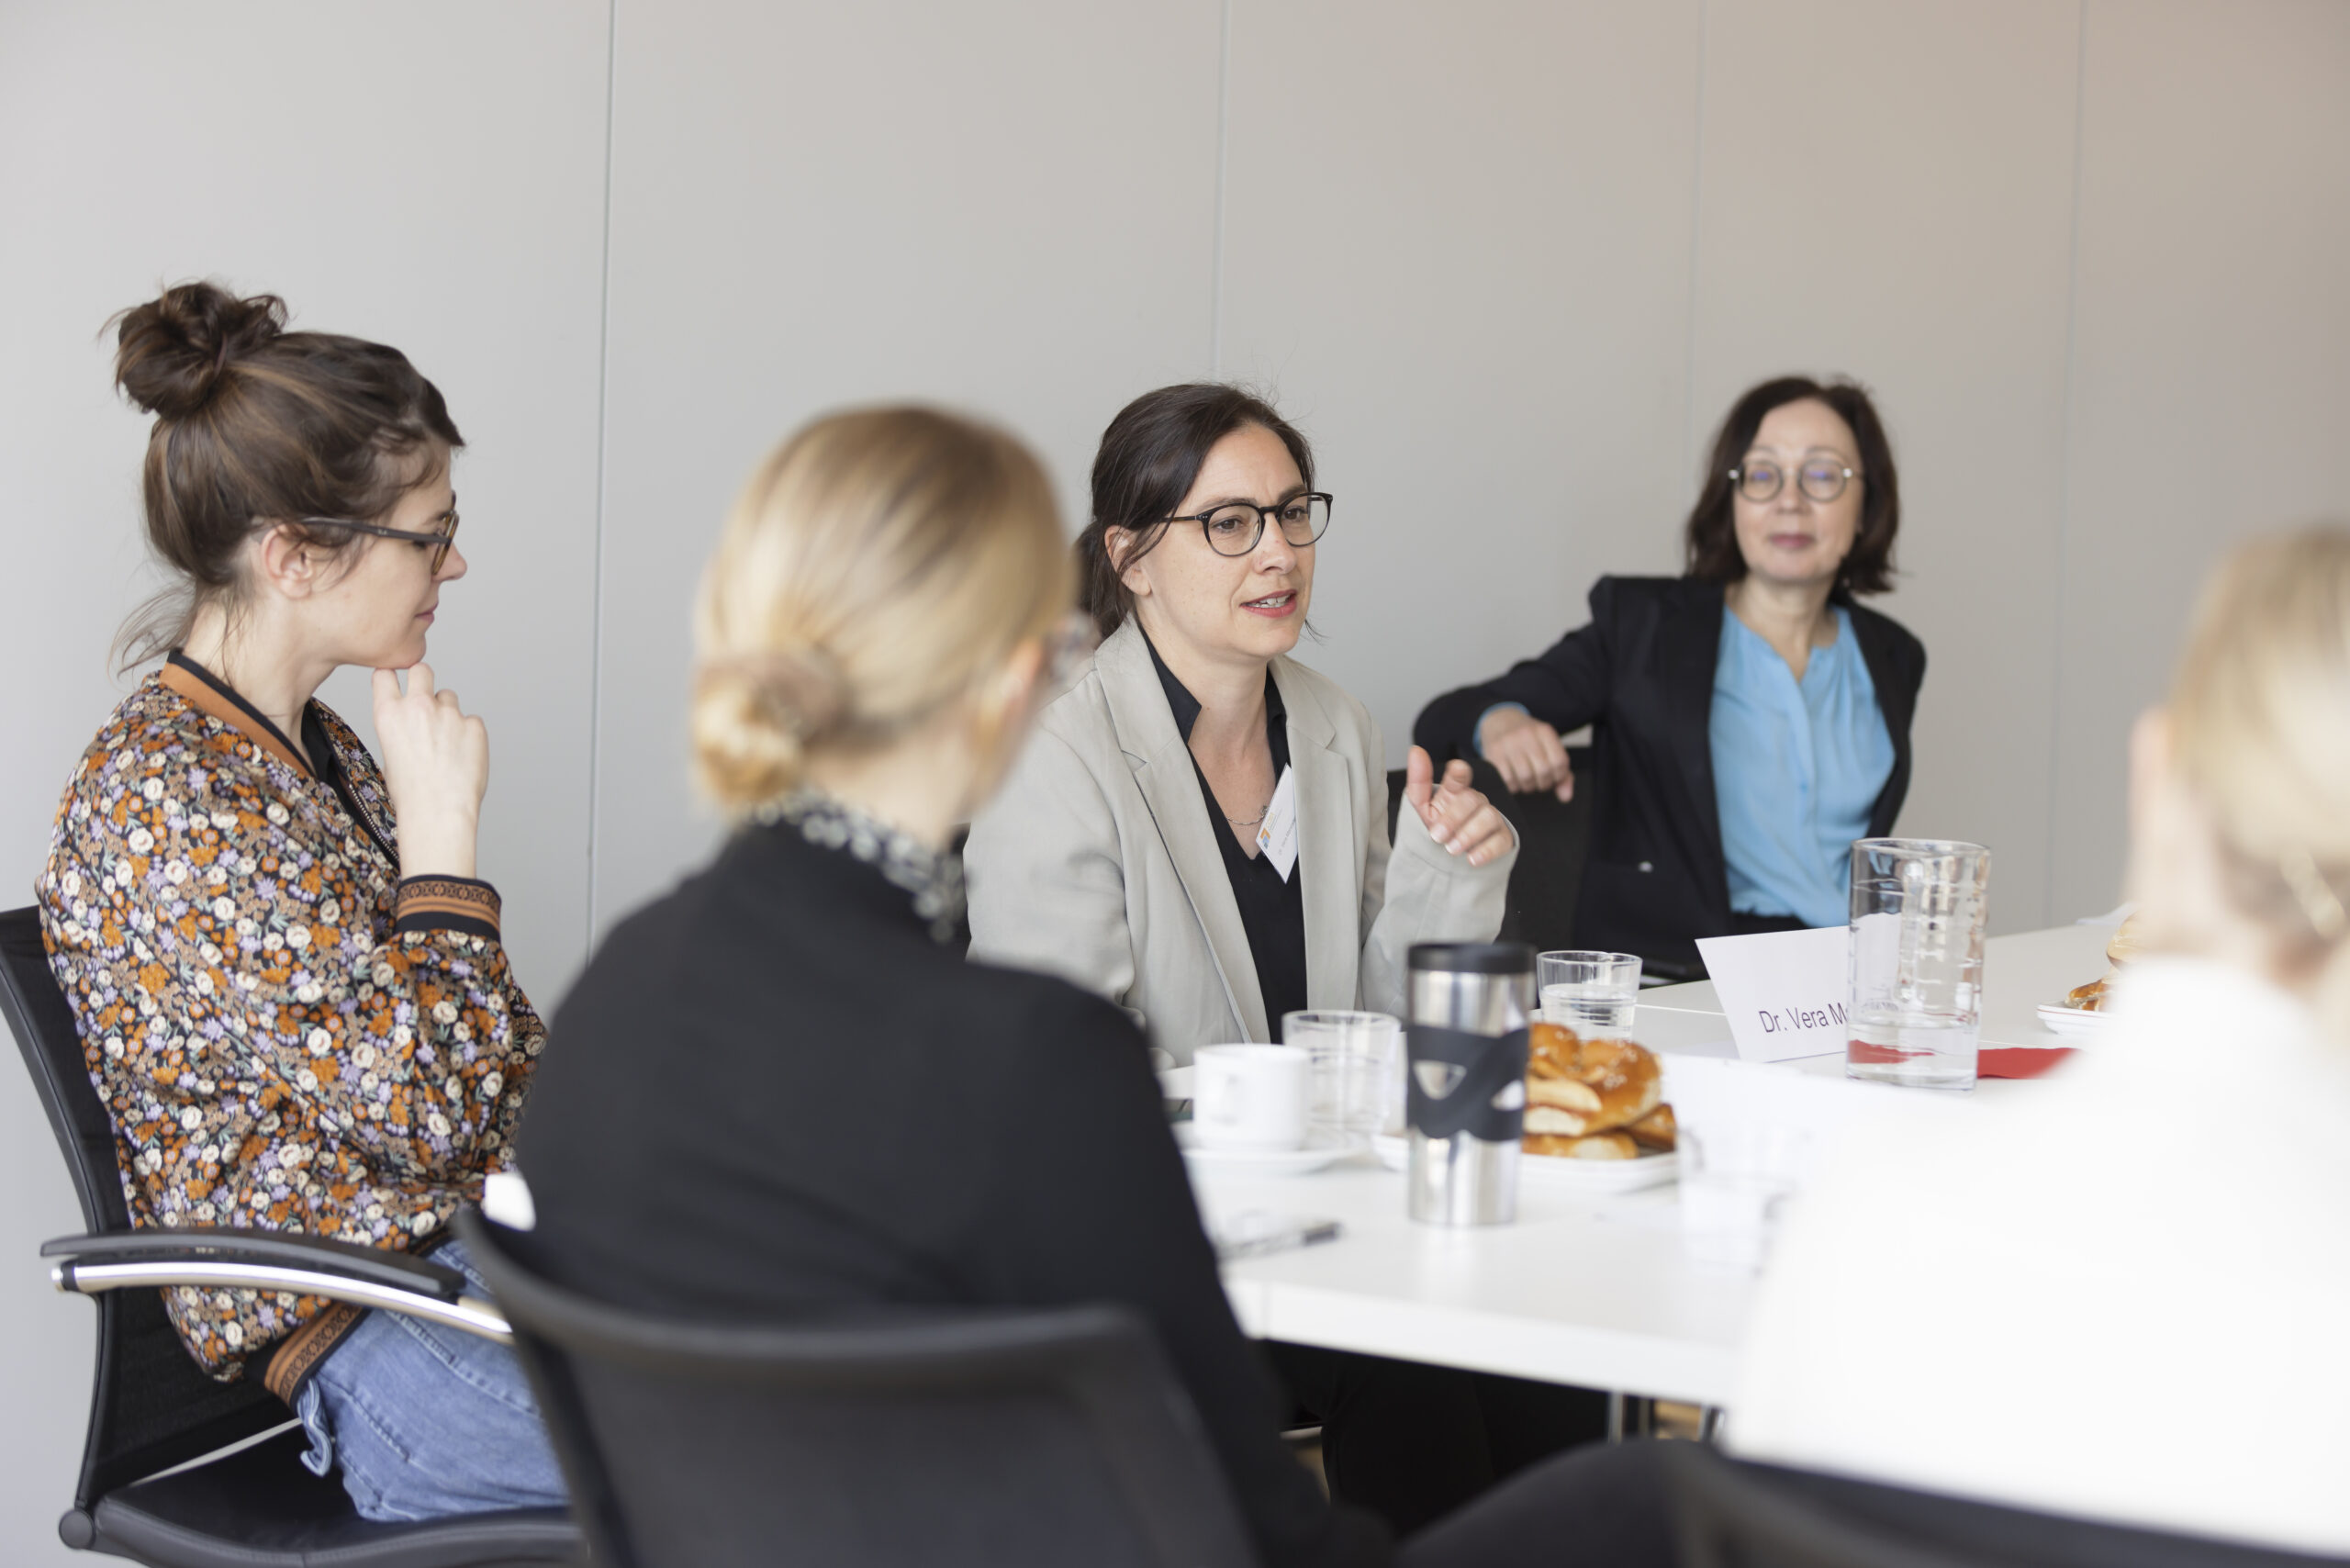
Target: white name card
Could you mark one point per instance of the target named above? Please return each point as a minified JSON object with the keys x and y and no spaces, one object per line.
{"x":1784,"y":992}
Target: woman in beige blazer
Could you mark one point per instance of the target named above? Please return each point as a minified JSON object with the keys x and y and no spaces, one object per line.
{"x":1198,"y":827}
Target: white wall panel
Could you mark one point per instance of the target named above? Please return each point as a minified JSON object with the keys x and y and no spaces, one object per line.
{"x":1457,"y":251}
{"x":432,"y":176}
{"x":1008,"y":208}
{"x":2211,"y":392}
{"x":1887,"y":193}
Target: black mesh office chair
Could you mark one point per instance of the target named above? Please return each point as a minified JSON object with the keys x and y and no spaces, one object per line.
{"x":1732,"y":1514}
{"x":152,"y":1408}
{"x":1553,"y":836}
{"x":1042,"y":1439}
{"x":1553,"y":845}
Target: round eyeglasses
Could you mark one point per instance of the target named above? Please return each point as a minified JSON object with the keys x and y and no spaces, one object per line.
{"x":440,"y":541}
{"x":1823,"y":475}
{"x":1234,"y":528}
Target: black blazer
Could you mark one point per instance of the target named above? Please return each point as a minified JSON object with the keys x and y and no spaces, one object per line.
{"x":1642,"y":676}
{"x":774,"y":1093}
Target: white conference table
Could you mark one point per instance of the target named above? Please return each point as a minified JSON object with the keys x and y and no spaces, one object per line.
{"x":1595,"y":1290}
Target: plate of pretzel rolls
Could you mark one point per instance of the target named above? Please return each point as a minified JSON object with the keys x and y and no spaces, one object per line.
{"x":2082,"y":1012}
{"x":1596,"y":1116}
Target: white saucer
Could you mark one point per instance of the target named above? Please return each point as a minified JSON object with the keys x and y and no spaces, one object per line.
{"x":1319,"y":1151}
{"x":1557,"y":1173}
{"x":2075,"y":1022}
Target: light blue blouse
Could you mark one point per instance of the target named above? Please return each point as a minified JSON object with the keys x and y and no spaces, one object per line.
{"x":1797,"y":766}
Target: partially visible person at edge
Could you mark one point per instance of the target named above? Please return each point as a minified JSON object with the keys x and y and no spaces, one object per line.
{"x":1123,"y":854}
{"x":1750,"y":719}
{"x":874,"y":628}
{"x":2106,"y":1217}
{"x":287,"y":977}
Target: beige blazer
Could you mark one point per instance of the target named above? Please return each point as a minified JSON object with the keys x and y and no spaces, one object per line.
{"x":1097,"y":861}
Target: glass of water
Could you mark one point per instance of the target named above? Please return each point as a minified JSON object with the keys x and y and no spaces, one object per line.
{"x":1591,"y":993}
{"x":1918,"y":911}
{"x":1735,"y":1181}
{"x":1357,"y":1071}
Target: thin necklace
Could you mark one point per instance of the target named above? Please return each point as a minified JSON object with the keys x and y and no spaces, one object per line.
{"x":1252,"y":822}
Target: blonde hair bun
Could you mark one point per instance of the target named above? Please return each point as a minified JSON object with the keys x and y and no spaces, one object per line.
{"x":880,"y":563}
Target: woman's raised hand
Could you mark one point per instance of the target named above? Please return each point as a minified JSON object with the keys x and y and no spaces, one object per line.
{"x":436,"y":764}
{"x":1457,"y":817}
{"x":1527,"y":752}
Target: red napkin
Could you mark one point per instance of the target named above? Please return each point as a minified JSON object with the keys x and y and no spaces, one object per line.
{"x":2018,"y":1061}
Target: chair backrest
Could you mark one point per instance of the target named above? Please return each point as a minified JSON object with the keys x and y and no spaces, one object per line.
{"x":1734,"y":1514}
{"x":151,"y":1405}
{"x":1039,"y":1437}
{"x":1553,"y":841}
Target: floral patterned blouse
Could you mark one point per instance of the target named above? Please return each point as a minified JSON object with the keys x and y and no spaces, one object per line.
{"x":286,"y":1036}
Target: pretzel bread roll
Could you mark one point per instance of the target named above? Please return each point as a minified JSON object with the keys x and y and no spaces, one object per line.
{"x":1626,"y":1078}
{"x":1552,"y":1051}
{"x":1656,"y":1130}
{"x":2086,"y":997}
{"x":1599,"y":1146}
{"x":1552,"y":1119}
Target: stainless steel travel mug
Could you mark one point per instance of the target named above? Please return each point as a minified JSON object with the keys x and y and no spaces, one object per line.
{"x":1468,"y":1003}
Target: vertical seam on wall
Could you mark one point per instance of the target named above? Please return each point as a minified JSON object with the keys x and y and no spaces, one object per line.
{"x":603,"y":439}
{"x":2064,"y":447}
{"x":1697,"y":217}
{"x":1223,"y":137}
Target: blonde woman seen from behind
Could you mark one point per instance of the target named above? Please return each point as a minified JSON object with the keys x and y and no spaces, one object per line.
{"x":2120,"y":1296}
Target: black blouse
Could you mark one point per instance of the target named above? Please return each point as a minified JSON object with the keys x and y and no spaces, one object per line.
{"x":1273,"y":908}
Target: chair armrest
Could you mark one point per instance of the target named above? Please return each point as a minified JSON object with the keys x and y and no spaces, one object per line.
{"x":267,"y":1261}
{"x":283,"y":1249}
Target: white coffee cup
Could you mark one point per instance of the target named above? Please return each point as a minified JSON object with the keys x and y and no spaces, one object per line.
{"x":1253,"y":1098}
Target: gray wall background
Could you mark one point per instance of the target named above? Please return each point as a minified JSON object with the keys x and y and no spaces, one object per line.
{"x":1506,"y":261}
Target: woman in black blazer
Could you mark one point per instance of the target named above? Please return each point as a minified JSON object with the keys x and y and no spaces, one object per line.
{"x":1799,"y":514}
{"x":780,"y":1089}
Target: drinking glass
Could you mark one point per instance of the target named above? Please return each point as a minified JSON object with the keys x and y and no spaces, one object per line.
{"x":1735,"y":1179}
{"x":1357,"y":1071}
{"x":1918,"y":911}
{"x":1591,"y":993}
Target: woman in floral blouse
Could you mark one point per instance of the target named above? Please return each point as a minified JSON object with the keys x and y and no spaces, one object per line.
{"x":288,"y":982}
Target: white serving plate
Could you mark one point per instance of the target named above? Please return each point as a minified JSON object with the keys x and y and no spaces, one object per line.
{"x":2075,"y":1022}
{"x":1319,"y":1151}
{"x":1550,"y":1172}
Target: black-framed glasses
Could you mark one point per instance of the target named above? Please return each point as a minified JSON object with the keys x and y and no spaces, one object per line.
{"x":1234,"y":528}
{"x":1823,"y":475}
{"x":440,"y":542}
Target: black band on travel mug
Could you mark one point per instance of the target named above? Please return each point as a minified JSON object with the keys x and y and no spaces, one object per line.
{"x":1489,"y":1064}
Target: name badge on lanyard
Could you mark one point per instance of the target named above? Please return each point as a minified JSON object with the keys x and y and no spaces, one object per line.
{"x":1277,"y":834}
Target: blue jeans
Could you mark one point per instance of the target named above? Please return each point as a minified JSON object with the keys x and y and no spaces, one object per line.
{"x":428,"y":1422}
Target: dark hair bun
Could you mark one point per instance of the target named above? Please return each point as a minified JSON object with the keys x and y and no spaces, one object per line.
{"x":172,"y":351}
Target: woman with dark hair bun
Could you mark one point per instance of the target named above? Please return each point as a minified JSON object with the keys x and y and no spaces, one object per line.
{"x":1750,"y":719}
{"x":288,"y":982}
